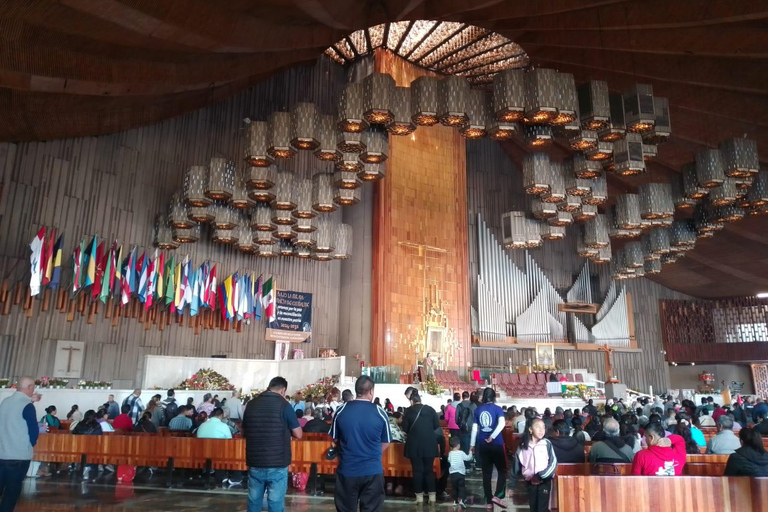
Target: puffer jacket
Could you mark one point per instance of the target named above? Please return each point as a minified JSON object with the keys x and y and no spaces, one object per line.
{"x":747,"y":461}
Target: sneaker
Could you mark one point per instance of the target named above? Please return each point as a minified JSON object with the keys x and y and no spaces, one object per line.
{"x":462,"y":504}
{"x":489,"y":506}
{"x":499,"y":502}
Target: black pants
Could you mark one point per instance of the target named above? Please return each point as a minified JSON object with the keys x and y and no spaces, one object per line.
{"x":538,"y":496}
{"x":459,"y":484}
{"x":423,"y":474}
{"x":12,"y":473}
{"x":368,"y":491}
{"x":490,"y":456}
{"x":465,"y":438}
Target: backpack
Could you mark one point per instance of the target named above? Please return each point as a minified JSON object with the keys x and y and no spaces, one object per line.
{"x":170,"y":412}
{"x":464,"y":418}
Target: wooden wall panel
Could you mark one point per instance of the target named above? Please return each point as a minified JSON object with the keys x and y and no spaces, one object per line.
{"x":113,"y":186}
{"x":420,"y":204}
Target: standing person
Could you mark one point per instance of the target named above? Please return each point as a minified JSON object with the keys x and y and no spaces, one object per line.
{"x":18,"y":436}
{"x":537,"y":462}
{"x":235,"y":406}
{"x":170,"y":408}
{"x":465,"y":418}
{"x":486,"y":436}
{"x":419,"y":424}
{"x":269,"y":421}
{"x":388,"y":406}
{"x":457,"y":469}
{"x":450,"y":415}
{"x":112,"y":407}
{"x":136,"y":407}
{"x":361,"y":433}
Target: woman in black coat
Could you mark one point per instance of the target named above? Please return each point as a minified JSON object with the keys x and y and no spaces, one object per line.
{"x":749,"y":460}
{"x":419,"y":424}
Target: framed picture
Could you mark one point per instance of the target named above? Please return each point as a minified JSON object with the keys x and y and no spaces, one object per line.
{"x":545,"y":354}
{"x":435,"y":339}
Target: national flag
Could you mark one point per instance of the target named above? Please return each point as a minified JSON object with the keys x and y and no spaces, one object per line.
{"x":160,"y":278}
{"x":228,"y":301}
{"x":257,"y":299}
{"x":151,"y":282}
{"x":141,"y":269}
{"x":57,"y":253}
{"x":248,"y":293}
{"x":169,"y":281}
{"x":177,"y":291}
{"x":223,"y":301}
{"x":101,"y":263}
{"x":35,"y":261}
{"x":195,"y":281}
{"x":212,"y":288}
{"x":117,"y":280}
{"x":186,"y":289}
{"x":108,"y":276}
{"x":204,"y":283}
{"x":268,"y":300}
{"x":89,"y":260}
{"x":46,"y":260}
{"x":77,"y":267}
{"x":128,"y":277}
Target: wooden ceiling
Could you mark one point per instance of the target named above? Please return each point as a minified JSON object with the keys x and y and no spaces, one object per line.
{"x":87,"y":67}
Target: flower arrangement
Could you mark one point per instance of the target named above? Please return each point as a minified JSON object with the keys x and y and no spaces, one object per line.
{"x":94,"y":384}
{"x":320,"y":389}
{"x":47,"y":382}
{"x":579,"y":391}
{"x":206,"y":379}
{"x":545,"y":368}
{"x":571,"y":391}
{"x":432,"y":386}
{"x":5,"y":383}
{"x":247,"y":397}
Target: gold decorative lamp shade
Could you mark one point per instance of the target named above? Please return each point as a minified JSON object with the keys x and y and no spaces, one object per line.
{"x":263,"y":238}
{"x":532,"y":234}
{"x":261,"y":178}
{"x":303,"y":198}
{"x":245,"y":242}
{"x":594,"y":106}
{"x":705,"y":223}
{"x":256,"y":143}
{"x":270,"y":250}
{"x":728,"y":213}
{"x":556,"y":192}
{"x":660,"y":240}
{"x":537,"y":136}
{"x":656,"y":201}
{"x":567,"y":100}
{"x":304,"y":126}
{"x":349,"y":142}
{"x":343,"y":249}
{"x":725,"y":194}
{"x":541,"y":96}
{"x":551,"y":232}
{"x":662,"y":125}
{"x":499,"y":129}
{"x":303,"y":252}
{"x":586,"y":169}
{"x":574,"y":185}
{"x":691,"y":188}
{"x":322,"y":256}
{"x":710,"y":168}
{"x":323,"y":192}
{"x":372,"y":172}
{"x":283,"y":232}
{"x":280,"y":136}
{"x":240,"y":198}
{"x":261,"y":218}
{"x":561,"y":219}
{"x":740,"y":159}
{"x":603,"y":255}
{"x":537,"y":173}
{"x":582,"y":140}
{"x":542,"y":210}
{"x":195,"y":183}
{"x":633,"y":252}
{"x":376,"y":148}
{"x":509,"y":95}
{"x":164,"y":234}
{"x":424,"y":100}
{"x":323,"y":236}
{"x":283,"y":218}
{"x":476,"y":116}
{"x":351,"y":107}
{"x":327,"y":139}
{"x":639,"y":108}
{"x":513,"y":230}
{"x":378,"y":98}
{"x":186,"y":235}
{"x":401,"y":123}
{"x":201,"y":214}
{"x":616,"y":128}
{"x":628,"y":211}
{"x":652,"y":266}
{"x":757,"y":195}
{"x":346,"y":179}
{"x":221,"y":179}
{"x":587,"y":212}
{"x":224,"y":236}
{"x":285,"y":247}
{"x":178,"y":213}
{"x":224,"y":217}
{"x":600,"y":152}
{"x":682,"y":235}
{"x":628,"y":155}
{"x":678,"y":195}
{"x":303,"y":239}
{"x":349,"y":162}
{"x":582,"y":249}
{"x":304,"y":225}
{"x":347,"y":196}
{"x":453,"y":101}
{"x":598,"y":191}
{"x":284,"y":191}
{"x":570,"y":204}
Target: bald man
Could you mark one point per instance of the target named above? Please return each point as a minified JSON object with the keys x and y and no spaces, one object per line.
{"x":18,"y":436}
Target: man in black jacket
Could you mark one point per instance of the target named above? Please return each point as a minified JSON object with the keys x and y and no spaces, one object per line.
{"x":268,"y":424}
{"x":317,"y":425}
{"x":567,"y":448}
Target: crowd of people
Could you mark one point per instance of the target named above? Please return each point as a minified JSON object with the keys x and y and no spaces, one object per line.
{"x":653,"y":435}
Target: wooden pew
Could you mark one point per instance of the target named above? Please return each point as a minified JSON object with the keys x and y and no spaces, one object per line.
{"x":714,"y":466}
{"x":651,"y":494}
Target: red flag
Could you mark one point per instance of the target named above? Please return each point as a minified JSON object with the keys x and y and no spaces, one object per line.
{"x":46,"y":262}
{"x":101,"y":264}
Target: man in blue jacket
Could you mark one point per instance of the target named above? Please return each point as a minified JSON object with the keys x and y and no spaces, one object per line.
{"x":760,"y":408}
{"x":18,"y":436}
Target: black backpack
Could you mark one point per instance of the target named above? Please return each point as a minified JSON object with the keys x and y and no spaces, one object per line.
{"x":170,"y":412}
{"x":464,"y":418}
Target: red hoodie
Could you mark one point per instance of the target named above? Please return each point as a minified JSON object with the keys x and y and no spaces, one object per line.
{"x":661,"y":461}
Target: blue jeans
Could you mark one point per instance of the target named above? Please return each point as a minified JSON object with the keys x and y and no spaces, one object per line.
{"x":273,"y":481}
{"x":12,"y":473}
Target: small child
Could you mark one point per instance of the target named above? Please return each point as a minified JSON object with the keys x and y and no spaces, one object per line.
{"x":458,"y":471}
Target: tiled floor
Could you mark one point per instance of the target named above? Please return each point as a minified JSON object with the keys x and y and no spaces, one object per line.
{"x":63,"y":493}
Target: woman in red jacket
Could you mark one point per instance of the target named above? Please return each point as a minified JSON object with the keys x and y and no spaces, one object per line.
{"x":665,"y":456}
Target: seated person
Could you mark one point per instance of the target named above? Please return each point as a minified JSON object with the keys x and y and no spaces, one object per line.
{"x":581,"y":436}
{"x":318,"y":424}
{"x":214,"y":428}
{"x":665,"y":456}
{"x":183,"y":420}
{"x":88,"y":426}
{"x":303,"y":415}
{"x":567,"y":449}
{"x":201,"y":418}
{"x":398,"y":436}
{"x":725,"y":441}
{"x":705,"y":420}
{"x":145,"y":424}
{"x":612,"y":448}
{"x":102,"y":416}
{"x":762,"y":424}
{"x":123,"y":421}
{"x":683,"y":429}
{"x":750,"y":459}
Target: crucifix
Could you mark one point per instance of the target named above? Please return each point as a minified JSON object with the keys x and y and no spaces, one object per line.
{"x":69,"y":357}
{"x":607,"y":351}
